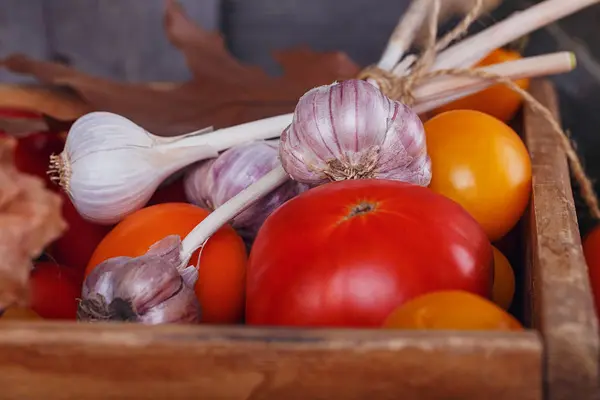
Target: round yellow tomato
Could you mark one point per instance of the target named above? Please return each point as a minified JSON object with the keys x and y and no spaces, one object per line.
{"x":482,"y":164}
{"x":499,"y":100}
{"x":504,"y":280}
{"x":451,"y":310}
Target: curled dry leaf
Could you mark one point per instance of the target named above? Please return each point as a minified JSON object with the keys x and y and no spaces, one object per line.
{"x":30,"y":219}
{"x":223,"y":91}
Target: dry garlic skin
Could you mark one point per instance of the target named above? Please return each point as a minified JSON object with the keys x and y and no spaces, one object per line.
{"x":351,"y":130}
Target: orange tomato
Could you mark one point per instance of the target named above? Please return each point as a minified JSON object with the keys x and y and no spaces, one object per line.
{"x":18,"y":313}
{"x":504,"y":281}
{"x":222,"y":272}
{"x":451,"y":310}
{"x":482,"y":164}
{"x":499,"y":100}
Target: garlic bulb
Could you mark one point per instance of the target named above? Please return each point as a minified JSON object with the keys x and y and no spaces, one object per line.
{"x":211,"y":183}
{"x":110,"y":167}
{"x":147,"y":289}
{"x":350,"y":130}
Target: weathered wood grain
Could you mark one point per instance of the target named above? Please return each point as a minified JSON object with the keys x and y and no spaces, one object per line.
{"x":561,"y":299}
{"x":68,"y":361}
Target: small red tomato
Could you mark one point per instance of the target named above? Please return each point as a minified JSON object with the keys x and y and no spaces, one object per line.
{"x":32,"y":154}
{"x":591,"y":250}
{"x":346,"y":254}
{"x":54,"y":291}
{"x":75,"y":247}
{"x":18,"y":113}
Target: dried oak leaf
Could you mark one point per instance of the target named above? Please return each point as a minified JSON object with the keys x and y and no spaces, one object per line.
{"x":30,"y":219}
{"x":223,"y":91}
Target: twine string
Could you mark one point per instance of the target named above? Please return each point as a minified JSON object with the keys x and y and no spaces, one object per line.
{"x":401,"y":88}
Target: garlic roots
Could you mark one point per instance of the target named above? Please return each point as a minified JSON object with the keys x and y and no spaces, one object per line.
{"x":147,"y":289}
{"x":211,"y":183}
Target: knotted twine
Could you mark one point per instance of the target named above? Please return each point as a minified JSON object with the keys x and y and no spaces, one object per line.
{"x":401,"y":88}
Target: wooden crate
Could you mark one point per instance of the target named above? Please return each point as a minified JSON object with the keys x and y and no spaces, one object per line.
{"x":556,"y":360}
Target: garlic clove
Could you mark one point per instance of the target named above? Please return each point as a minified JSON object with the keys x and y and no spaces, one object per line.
{"x":101,"y":278}
{"x":181,"y":308}
{"x":190,"y":276}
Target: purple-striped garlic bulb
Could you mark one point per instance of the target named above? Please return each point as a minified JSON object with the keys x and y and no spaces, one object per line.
{"x":211,"y":183}
{"x":150,"y":289}
{"x":350,"y":130}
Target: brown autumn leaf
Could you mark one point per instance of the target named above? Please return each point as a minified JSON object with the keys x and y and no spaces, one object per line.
{"x":223,"y":91}
{"x":30,"y":219}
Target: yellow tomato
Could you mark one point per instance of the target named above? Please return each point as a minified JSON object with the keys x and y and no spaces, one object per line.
{"x":504,"y":281}
{"x":451,"y":310}
{"x":499,"y":100}
{"x":18,"y":313}
{"x":482,"y":164}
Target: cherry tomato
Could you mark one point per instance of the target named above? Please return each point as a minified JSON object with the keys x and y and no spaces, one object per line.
{"x":347,"y":253}
{"x":591,"y":251}
{"x":18,"y":313}
{"x":220,"y":287}
{"x":54,"y":291}
{"x":451,"y":310}
{"x":75,"y":247}
{"x":504,"y":281}
{"x":498,"y":101}
{"x":482,"y":164}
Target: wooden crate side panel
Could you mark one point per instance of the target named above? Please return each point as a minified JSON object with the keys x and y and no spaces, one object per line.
{"x":65,"y":361}
{"x":561,"y":293}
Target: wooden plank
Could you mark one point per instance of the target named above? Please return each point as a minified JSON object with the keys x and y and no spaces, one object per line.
{"x":64,"y":361}
{"x":562,"y":303}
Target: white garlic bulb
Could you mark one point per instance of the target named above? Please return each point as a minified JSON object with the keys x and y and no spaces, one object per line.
{"x":350,"y":130}
{"x":110,"y":166}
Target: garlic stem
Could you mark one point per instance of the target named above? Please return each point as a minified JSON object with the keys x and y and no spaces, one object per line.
{"x":437,"y":92}
{"x":222,"y":215}
{"x":404,"y":34}
{"x":470,"y":51}
{"x":443,"y":90}
{"x":222,"y":139}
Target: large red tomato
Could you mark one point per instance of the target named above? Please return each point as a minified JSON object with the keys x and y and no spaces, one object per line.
{"x":348,"y":253}
{"x":54,"y":291}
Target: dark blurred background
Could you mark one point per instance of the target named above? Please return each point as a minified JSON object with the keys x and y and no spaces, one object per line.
{"x":124,"y":40}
